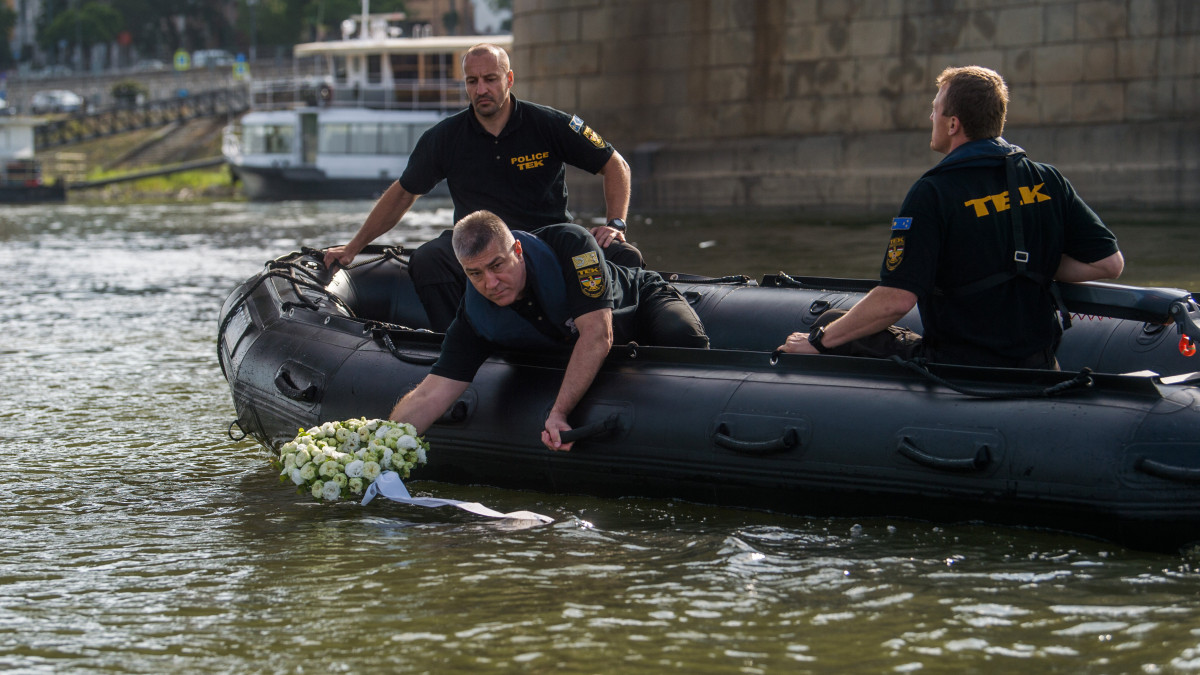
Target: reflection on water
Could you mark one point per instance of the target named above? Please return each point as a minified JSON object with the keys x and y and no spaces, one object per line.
{"x":141,"y":539}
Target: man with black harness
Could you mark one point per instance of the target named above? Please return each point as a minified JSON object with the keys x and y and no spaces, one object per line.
{"x":502,"y":155}
{"x":546,"y":289}
{"x":976,"y":245}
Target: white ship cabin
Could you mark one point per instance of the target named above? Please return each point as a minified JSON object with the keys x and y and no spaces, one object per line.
{"x":17,"y":163}
{"x":382,"y":67}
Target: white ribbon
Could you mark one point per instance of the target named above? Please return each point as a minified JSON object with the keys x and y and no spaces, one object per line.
{"x":389,"y":485}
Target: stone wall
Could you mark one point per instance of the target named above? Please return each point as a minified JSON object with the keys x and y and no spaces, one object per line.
{"x":823,"y":105}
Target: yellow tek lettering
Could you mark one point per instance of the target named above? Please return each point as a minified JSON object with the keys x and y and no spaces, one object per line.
{"x":1000,"y":202}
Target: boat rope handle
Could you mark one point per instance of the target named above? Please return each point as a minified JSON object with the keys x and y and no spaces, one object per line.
{"x":788,"y":440}
{"x":1158,"y":469}
{"x":1082,"y":380}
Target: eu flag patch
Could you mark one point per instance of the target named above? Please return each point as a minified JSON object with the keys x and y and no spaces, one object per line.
{"x":901,"y":223}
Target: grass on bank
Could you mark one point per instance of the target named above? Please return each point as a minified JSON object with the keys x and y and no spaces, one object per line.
{"x":101,"y":159}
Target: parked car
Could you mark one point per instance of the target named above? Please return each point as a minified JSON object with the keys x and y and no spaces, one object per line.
{"x":55,"y":101}
{"x":211,"y":58}
{"x":150,"y":65}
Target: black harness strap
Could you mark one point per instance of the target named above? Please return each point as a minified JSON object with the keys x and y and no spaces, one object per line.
{"x":1020,"y":255}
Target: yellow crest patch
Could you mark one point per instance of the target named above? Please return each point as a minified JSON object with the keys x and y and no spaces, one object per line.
{"x":585,"y":260}
{"x":591,"y":282}
{"x":593,"y":137}
{"x":895,"y":253}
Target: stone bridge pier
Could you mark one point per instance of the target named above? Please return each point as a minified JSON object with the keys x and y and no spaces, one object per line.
{"x":823,"y":106}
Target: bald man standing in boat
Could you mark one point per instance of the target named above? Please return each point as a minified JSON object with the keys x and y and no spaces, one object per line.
{"x":501,"y":155}
{"x":977,"y":244}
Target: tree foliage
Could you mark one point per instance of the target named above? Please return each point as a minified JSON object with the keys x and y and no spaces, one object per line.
{"x":8,"y":19}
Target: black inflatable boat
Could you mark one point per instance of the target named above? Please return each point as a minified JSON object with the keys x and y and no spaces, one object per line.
{"x":1108,"y":447}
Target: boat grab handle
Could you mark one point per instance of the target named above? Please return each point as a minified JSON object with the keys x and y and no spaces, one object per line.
{"x":604,"y":427}
{"x":982,"y":458}
{"x":787,"y":441}
{"x":1186,"y":313}
{"x":1170,"y":472}
{"x":287,"y":387}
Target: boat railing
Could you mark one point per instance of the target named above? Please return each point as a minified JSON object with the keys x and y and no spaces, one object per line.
{"x":438,"y":95}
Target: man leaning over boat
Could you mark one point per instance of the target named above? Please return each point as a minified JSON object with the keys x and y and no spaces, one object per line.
{"x":505,"y":156}
{"x":550,"y":288}
{"x":976,"y":246}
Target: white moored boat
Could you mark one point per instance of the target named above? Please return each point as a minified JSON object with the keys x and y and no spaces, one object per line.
{"x":348,"y":134}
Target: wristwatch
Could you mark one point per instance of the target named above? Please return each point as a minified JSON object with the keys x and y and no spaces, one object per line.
{"x":814,"y":339}
{"x":618,"y":225}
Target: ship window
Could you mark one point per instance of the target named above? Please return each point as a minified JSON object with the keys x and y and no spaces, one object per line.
{"x":374,"y":69}
{"x":364,"y":139}
{"x":334,"y":138}
{"x":339,"y":70}
{"x":406,"y":66}
{"x":440,"y":67}
{"x":268,"y":139}
{"x":394,"y":139}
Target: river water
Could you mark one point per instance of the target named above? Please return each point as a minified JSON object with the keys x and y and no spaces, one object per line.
{"x":141,"y":539}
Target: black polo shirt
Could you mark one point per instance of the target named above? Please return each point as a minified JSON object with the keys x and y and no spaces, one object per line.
{"x":518,"y":175}
{"x":955,"y":229}
{"x":464,"y":350}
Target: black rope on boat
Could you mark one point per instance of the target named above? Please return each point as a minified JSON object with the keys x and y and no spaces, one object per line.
{"x":1082,"y":380}
{"x":386,"y":337}
{"x":788,"y":281}
{"x":229,"y":431}
{"x":731,"y":279}
{"x":286,"y":268}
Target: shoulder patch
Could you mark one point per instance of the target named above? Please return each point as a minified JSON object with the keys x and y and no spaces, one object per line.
{"x":593,"y":137}
{"x":576,"y":124}
{"x":591,"y":281}
{"x":901,"y":223}
{"x":585,"y":260}
{"x":895,"y":253}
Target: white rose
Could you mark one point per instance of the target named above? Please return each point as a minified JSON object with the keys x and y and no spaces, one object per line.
{"x":381,"y":433}
{"x":371,"y":470}
{"x":406,"y":442}
{"x":308,"y":472}
{"x":331,"y":491}
{"x":340,"y":479}
{"x":296,"y":477}
{"x":387,"y":458}
{"x":421,"y":455}
{"x":330,"y":468}
{"x":364,"y":433}
{"x":342,"y":434}
{"x":303,"y":457}
{"x":356,"y":485}
{"x":317,"y":489}
{"x":372,"y":425}
{"x":355,"y":469}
